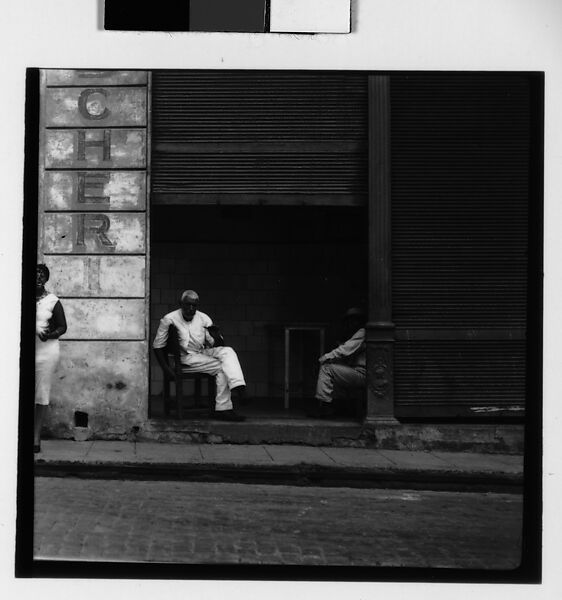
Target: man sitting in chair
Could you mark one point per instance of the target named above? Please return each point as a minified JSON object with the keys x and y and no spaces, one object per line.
{"x":202,"y":351}
{"x":344,"y":366}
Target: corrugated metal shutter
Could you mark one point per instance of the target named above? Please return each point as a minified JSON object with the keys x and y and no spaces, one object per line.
{"x":275,"y":137}
{"x":460,"y":198}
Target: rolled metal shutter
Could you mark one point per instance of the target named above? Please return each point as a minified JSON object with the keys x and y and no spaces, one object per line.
{"x":255,"y":137}
{"x":460,"y":203}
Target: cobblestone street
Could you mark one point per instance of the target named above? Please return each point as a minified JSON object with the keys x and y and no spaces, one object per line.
{"x":262,"y":524}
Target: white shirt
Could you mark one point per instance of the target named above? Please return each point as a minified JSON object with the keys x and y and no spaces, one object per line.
{"x":193,"y":335}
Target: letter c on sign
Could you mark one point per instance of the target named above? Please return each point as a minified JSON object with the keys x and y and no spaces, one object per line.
{"x":92,"y":104}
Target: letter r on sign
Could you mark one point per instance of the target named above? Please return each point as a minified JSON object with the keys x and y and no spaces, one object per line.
{"x":96,"y":225}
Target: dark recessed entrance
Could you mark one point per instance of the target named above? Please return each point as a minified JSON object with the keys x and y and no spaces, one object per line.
{"x":257,"y":269}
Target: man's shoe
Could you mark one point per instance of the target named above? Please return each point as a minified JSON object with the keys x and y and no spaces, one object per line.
{"x":241,"y":394}
{"x":228,"y":415}
{"x":325,"y":410}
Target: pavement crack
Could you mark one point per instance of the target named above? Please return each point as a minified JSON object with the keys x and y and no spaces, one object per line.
{"x":89,"y":448}
{"x":381,"y":452}
{"x":326,"y":454}
{"x":268,"y":454}
{"x":448,"y":463}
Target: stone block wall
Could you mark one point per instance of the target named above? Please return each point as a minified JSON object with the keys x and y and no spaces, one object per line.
{"x":94,"y":135}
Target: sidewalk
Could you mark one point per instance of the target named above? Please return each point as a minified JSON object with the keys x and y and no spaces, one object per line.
{"x":281,"y":464}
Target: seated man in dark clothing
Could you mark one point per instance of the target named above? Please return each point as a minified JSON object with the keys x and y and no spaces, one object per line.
{"x":343,"y":367}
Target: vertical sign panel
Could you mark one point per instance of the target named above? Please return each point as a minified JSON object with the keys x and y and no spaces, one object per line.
{"x":93,"y":238}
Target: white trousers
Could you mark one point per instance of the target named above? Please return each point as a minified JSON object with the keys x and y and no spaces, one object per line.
{"x":335,"y":374}
{"x":46,"y":360}
{"x":222,"y":362}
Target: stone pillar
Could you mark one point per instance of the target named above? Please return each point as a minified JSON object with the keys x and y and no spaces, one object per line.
{"x":93,"y":237}
{"x":380,"y":329}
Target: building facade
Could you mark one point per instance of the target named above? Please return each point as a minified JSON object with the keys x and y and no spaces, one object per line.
{"x":287,"y":196}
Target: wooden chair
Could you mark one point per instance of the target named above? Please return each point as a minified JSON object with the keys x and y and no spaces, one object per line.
{"x":172,"y":351}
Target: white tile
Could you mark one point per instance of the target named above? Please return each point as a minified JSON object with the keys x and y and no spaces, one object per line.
{"x":310,"y":16}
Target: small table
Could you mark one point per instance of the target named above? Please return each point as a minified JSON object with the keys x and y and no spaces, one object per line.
{"x":320,"y":327}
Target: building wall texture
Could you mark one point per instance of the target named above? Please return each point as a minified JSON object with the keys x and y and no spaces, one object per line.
{"x":93,"y":237}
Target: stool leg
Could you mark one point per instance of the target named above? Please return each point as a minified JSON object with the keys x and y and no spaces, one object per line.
{"x":197,"y":391}
{"x":166,"y":390}
{"x":179,"y":396}
{"x":287,"y":371}
{"x":211,"y":393}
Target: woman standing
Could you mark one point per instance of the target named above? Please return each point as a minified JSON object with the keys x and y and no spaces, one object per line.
{"x":50,"y":325}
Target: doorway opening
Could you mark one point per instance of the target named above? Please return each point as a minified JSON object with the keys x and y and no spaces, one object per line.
{"x":256,"y":270}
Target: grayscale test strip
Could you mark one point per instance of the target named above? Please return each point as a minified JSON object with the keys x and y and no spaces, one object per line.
{"x":235,"y":16}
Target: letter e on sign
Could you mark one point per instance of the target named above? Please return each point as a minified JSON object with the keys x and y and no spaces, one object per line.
{"x":91,"y":186}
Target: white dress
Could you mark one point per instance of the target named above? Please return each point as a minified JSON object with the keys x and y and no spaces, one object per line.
{"x":47,"y":352}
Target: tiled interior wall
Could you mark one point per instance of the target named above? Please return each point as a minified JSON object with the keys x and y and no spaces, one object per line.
{"x":248,"y":287}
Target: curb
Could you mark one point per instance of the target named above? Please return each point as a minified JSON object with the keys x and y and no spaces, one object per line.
{"x":299,"y":475}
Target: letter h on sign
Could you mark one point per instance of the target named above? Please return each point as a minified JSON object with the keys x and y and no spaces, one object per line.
{"x":104,"y":143}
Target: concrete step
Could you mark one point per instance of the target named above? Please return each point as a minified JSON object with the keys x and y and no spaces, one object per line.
{"x":454,"y":437}
{"x":312,"y":432}
{"x":268,"y":422}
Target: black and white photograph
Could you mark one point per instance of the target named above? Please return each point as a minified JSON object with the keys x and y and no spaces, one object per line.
{"x":288,"y":320}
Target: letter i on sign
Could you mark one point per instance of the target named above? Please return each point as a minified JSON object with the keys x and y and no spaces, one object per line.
{"x":92,"y":274}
